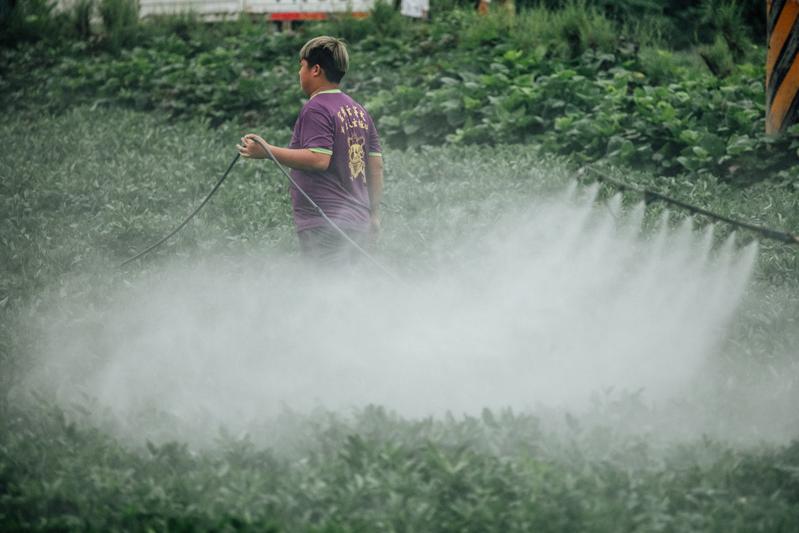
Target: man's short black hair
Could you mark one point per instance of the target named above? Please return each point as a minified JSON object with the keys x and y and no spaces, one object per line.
{"x":330,"y":54}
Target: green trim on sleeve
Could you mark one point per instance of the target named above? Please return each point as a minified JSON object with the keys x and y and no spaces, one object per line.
{"x":375,"y":154}
{"x":321,"y":151}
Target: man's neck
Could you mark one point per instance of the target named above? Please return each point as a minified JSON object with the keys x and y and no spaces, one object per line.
{"x":324,"y":87}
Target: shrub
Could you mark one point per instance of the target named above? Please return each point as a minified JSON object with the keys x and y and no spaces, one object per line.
{"x":726,"y":18}
{"x":120,"y":22}
{"x":385,"y":20}
{"x":660,"y":66}
{"x":565,"y":33}
{"x":684,"y":23}
{"x":649,"y":30}
{"x":483,"y":30}
{"x":345,"y":26}
{"x":718,"y":57}
{"x":580,"y":27}
{"x":186,"y":25}
{"x":440,"y":9}
{"x":29,"y":21}
{"x":82,"y":17}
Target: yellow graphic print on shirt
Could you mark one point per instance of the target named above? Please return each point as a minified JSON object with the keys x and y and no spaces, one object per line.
{"x":351,"y":118}
{"x":357,"y":157}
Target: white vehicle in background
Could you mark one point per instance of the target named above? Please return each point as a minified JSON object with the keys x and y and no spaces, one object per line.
{"x":274,"y":10}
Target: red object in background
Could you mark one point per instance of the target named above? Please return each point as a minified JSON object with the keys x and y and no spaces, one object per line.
{"x":296,"y":15}
{"x":310,"y":15}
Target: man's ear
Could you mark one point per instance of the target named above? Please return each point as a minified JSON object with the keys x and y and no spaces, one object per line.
{"x":316,"y":70}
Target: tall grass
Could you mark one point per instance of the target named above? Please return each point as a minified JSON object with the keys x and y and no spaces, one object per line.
{"x":562,"y":33}
{"x":718,"y":57}
{"x":566,"y":32}
{"x":568,"y":27}
{"x":726,"y":17}
{"x":82,"y":12}
{"x":682,"y":23}
{"x":120,"y":22}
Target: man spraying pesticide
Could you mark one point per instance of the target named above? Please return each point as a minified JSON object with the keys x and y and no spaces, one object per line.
{"x":337,"y":176}
{"x":335,"y":157}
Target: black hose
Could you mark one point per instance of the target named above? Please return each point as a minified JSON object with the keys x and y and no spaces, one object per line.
{"x":210,"y":194}
{"x":385,"y":270}
{"x":349,"y":239}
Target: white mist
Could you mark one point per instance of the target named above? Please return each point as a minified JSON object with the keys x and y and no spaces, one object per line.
{"x":547,"y":306}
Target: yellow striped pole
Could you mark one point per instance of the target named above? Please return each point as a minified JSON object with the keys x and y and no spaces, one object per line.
{"x":782,"y":65}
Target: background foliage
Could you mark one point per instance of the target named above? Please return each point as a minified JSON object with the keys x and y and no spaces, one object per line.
{"x":587,"y":79}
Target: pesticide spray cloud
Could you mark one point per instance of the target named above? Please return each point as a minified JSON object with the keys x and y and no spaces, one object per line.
{"x":544,"y":306}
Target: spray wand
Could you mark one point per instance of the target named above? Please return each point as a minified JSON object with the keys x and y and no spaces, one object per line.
{"x":654,"y":196}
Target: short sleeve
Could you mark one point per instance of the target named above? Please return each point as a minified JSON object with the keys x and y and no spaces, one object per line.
{"x":374,"y":148}
{"x":318,"y":130}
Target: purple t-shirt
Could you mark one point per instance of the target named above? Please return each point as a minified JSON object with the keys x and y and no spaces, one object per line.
{"x":333,"y":123}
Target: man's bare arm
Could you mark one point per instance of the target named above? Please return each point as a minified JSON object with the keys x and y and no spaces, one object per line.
{"x":374,"y":185}
{"x":252,"y":146}
{"x":301,"y":158}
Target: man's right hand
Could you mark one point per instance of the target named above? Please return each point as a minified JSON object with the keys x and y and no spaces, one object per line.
{"x":374,"y":228}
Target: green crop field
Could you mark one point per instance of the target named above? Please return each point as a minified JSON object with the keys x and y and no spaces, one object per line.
{"x":115,"y":181}
{"x":108,"y":143}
